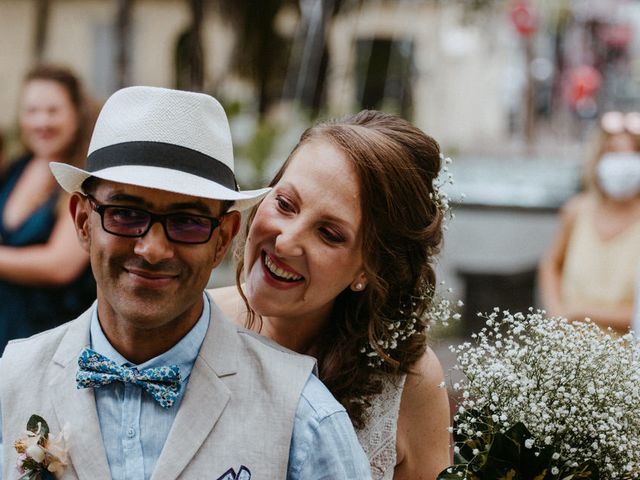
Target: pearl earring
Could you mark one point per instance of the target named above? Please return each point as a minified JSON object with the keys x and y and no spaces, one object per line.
{"x":359,"y":286}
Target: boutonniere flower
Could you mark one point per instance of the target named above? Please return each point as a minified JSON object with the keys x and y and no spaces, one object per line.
{"x":40,"y":455}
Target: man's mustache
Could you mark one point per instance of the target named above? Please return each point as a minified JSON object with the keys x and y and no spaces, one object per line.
{"x":165,"y":267}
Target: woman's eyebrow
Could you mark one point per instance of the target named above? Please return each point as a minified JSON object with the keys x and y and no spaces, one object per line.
{"x":329,"y":217}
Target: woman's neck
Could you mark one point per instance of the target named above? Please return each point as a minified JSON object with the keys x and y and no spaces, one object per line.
{"x":299,"y":335}
{"x":622,"y":206}
{"x":46,"y":158}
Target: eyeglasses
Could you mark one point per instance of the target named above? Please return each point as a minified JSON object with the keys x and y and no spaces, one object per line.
{"x":136,"y":222}
{"x":620,"y":122}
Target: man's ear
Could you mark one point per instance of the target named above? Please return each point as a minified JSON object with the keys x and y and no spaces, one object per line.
{"x":229,"y":227}
{"x":80,"y":209}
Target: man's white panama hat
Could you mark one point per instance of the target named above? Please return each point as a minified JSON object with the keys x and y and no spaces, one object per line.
{"x":165,"y":139}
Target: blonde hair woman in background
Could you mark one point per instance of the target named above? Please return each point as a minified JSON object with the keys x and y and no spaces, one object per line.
{"x":44,"y":274}
{"x":590,"y":267}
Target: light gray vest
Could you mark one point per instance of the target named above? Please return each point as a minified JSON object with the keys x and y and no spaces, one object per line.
{"x":238,"y":409}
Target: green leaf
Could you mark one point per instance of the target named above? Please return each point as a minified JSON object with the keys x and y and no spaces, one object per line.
{"x":32,"y":425}
{"x":466,"y":443}
{"x":503,"y":456}
{"x":585,"y":471}
{"x":451,"y":473}
{"x":31,"y":465}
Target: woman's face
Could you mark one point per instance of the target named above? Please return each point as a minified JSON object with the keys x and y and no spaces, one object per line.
{"x":620,"y":142}
{"x":304,"y":245}
{"x":48,"y":119}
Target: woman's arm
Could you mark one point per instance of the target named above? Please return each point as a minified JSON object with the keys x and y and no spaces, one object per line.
{"x":423,"y":440}
{"x":550,"y":266}
{"x":55,"y":263}
{"x":618,"y":318}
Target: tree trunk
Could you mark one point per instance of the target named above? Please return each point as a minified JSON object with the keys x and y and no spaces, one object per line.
{"x":40,"y":34}
{"x":529,"y":95}
{"x":196,"y":55}
{"x":123,"y":39}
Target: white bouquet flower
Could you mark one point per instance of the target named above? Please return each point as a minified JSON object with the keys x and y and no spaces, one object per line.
{"x":547,"y":399}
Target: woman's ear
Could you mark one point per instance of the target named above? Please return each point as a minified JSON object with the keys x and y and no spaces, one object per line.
{"x":80,"y":209}
{"x":360,"y":283}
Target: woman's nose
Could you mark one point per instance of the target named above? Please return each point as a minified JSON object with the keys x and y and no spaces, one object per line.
{"x":289,"y":243}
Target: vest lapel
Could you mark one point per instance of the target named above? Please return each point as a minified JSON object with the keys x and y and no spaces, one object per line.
{"x":204,"y":400}
{"x":77,"y":408}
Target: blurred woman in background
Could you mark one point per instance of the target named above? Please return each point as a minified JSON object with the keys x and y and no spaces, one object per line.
{"x":44,"y":274}
{"x":590,"y":267}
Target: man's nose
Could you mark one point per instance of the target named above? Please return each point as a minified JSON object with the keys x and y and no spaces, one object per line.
{"x":154,"y":246}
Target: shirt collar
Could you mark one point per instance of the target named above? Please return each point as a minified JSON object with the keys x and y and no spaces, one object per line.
{"x":183,"y":353}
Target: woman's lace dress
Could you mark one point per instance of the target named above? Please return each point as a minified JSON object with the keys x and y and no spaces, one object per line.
{"x":378,"y":436}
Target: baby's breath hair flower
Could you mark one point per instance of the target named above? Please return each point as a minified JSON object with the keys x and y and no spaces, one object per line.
{"x":436,"y":310}
{"x":547,"y":395}
{"x":412,"y":312}
{"x":439,"y":195}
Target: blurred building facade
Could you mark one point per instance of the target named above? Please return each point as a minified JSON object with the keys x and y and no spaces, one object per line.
{"x":422,"y":59}
{"x":83,"y":34}
{"x":471,"y":72}
{"x":503,"y":86}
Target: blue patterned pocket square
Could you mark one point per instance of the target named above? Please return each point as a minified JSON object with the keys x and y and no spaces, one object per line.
{"x":243,"y":474}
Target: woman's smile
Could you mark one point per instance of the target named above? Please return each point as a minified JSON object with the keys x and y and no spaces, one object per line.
{"x":279,"y":271}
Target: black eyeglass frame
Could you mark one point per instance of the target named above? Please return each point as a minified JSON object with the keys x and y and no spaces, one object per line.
{"x":161,"y":218}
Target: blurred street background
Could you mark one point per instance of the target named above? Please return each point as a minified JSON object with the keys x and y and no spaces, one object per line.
{"x":512,"y":90}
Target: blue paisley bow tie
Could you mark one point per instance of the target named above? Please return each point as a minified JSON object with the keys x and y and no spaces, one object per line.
{"x":163,"y":383}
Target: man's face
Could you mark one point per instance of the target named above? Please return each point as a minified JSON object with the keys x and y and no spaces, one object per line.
{"x":150,"y":282}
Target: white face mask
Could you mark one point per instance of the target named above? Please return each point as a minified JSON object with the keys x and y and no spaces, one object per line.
{"x":619,"y":174}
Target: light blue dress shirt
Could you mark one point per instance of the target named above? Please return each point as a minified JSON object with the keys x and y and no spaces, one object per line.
{"x":324,"y":445}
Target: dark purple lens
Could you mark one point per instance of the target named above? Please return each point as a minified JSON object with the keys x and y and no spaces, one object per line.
{"x":126,"y":221}
{"x":189,"y":228}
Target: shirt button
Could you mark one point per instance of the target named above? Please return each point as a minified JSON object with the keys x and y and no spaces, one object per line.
{"x":131,"y":432}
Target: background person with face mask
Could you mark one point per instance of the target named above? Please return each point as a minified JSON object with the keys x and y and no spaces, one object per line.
{"x":591,"y":266}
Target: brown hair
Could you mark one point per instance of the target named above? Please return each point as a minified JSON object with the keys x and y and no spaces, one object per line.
{"x":86,"y":107}
{"x":396,"y":164}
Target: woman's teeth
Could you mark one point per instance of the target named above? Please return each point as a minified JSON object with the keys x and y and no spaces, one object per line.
{"x":278,"y":272}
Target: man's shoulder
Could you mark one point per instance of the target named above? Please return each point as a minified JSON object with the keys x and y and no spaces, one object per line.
{"x":262,"y":345}
{"x":260,"y":341}
{"x":39,"y":340}
{"x":37,"y":349}
{"x":317,"y":401}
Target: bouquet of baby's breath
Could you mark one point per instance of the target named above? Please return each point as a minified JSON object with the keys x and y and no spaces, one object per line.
{"x":545,"y":398}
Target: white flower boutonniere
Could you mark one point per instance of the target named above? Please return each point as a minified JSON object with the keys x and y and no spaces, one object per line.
{"x":39,"y":454}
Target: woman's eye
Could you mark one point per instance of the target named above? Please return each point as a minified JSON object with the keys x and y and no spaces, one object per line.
{"x":331,"y":236}
{"x":283,"y":204}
